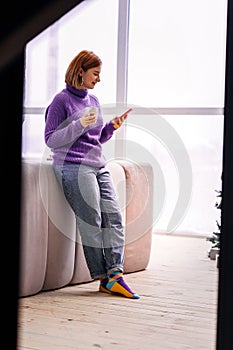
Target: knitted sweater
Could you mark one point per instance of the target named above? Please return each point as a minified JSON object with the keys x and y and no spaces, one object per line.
{"x":68,"y":140}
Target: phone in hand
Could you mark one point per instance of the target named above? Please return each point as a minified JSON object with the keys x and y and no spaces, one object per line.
{"x":125,"y":113}
{"x":117,"y":121}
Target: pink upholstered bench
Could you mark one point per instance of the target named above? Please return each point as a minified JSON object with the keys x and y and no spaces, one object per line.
{"x":51,"y":255}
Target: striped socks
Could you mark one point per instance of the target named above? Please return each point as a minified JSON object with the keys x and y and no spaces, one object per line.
{"x":102,"y":287}
{"x":115,"y":284}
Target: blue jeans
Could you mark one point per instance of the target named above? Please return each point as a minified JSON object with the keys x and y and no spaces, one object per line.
{"x":91,"y":195}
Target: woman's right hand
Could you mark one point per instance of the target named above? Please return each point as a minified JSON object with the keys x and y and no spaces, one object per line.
{"x":88,"y":119}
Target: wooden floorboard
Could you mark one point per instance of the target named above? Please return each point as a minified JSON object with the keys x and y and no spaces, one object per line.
{"x":177,"y":309}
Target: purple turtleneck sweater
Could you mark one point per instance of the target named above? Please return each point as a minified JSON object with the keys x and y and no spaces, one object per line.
{"x":68,"y":140}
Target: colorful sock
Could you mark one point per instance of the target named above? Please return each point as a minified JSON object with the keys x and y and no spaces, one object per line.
{"x":102,"y":287}
{"x":117,"y":285}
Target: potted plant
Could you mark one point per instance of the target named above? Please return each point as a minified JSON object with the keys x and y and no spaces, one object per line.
{"x":214,"y":251}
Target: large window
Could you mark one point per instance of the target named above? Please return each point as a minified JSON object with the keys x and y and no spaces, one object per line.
{"x":92,"y":25}
{"x":173,"y":70}
{"x":177,"y":53}
{"x":176,"y":76}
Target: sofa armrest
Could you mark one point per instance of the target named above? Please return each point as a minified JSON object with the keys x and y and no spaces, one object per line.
{"x":139,"y":214}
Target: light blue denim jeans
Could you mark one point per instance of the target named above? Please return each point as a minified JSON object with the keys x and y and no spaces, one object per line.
{"x":91,"y":195}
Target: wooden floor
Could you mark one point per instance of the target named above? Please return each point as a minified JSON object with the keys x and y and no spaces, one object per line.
{"x":177,"y":309}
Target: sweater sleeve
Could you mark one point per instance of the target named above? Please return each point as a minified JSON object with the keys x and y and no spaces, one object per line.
{"x":60,"y":130}
{"x":107,"y":132}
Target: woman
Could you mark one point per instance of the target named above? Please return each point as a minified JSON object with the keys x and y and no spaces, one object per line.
{"x":75,"y":133}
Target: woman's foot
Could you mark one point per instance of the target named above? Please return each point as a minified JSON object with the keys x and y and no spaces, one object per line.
{"x":117,"y":285}
{"x":102,"y":287}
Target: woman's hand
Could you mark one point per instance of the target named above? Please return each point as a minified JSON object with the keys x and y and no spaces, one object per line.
{"x":118,"y":121}
{"x":88,"y":119}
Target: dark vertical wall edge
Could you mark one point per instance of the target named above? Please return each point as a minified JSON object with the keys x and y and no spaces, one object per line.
{"x":225,"y":292}
{"x":12,"y":79}
{"x":35,"y":17}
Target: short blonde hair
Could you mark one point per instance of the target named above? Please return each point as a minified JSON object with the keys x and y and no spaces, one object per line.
{"x":83,"y":61}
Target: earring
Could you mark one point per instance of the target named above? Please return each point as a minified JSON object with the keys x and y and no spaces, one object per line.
{"x":81,"y":81}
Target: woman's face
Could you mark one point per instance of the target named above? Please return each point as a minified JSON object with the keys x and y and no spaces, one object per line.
{"x":91,"y":77}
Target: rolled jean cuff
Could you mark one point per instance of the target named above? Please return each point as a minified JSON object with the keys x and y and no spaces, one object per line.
{"x":114,"y":269}
{"x":98,"y":276}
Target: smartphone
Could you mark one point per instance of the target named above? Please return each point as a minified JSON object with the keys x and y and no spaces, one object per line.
{"x":126,"y":112}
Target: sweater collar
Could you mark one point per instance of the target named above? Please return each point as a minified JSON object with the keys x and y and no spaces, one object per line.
{"x":78,"y":92}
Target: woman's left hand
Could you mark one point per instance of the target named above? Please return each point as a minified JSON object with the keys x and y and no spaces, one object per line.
{"x":118,"y":121}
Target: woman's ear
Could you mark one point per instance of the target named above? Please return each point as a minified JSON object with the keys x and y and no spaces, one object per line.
{"x":80,"y":77}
